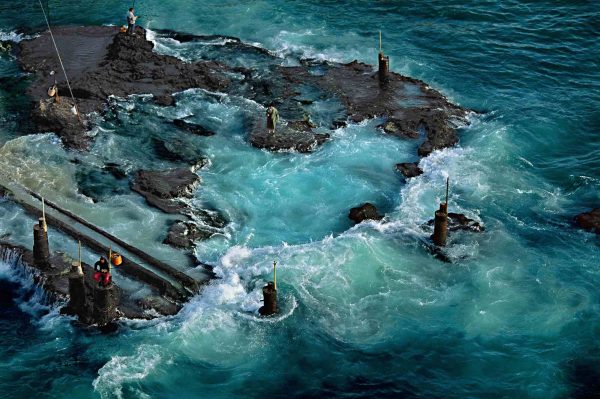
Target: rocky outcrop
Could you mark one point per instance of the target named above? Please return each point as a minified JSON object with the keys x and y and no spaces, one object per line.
{"x":162,"y":188}
{"x":460,"y":222}
{"x":103,"y":62}
{"x":366,"y":211}
{"x":409,"y":169}
{"x":184,"y":234}
{"x":178,"y":151}
{"x":411,"y":107}
{"x":289,"y":136}
{"x":165,"y":100}
{"x":589,"y":220}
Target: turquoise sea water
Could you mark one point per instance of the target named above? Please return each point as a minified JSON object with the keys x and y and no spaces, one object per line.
{"x":366,"y":310}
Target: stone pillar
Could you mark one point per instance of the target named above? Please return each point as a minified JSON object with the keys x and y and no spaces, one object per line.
{"x":384,"y":66}
{"x":440,"y":227}
{"x":106,"y":300}
{"x":41,"y":248}
{"x":77,"y":297}
{"x":270,"y":300}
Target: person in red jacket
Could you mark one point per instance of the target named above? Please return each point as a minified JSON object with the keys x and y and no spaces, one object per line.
{"x":102,"y":272}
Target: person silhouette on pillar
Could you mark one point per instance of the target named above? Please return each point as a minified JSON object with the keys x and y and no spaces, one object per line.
{"x":102,"y":272}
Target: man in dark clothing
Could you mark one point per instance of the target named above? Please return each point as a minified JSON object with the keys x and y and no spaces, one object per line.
{"x":102,"y":272}
{"x":131,"y":18}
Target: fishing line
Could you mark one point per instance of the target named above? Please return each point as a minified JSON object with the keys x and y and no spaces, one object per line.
{"x":59,"y":58}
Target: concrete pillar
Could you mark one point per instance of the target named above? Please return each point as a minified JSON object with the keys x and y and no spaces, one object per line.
{"x":77,"y":294}
{"x":384,"y":66}
{"x":41,"y":248}
{"x":106,"y":300}
{"x":270,"y":300}
{"x":440,"y":228}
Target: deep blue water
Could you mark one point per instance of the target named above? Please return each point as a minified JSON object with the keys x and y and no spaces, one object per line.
{"x":367,"y":312}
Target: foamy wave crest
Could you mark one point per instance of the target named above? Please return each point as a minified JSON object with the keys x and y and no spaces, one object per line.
{"x":121,"y":370}
{"x":32,"y":299}
{"x":291,"y":44}
{"x":13,"y":36}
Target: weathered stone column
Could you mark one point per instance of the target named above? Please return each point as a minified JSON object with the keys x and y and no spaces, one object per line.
{"x":77,"y":297}
{"x":440,"y":226}
{"x":106,"y":300}
{"x":384,"y":66}
{"x":41,"y":248}
{"x":270,"y":300}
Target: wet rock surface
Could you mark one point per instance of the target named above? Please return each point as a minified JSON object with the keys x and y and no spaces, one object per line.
{"x":162,"y":188}
{"x":101,"y":62}
{"x":410,"y":106}
{"x":289,"y":136}
{"x":366,"y":211}
{"x":589,"y":220}
{"x":409,"y":169}
{"x":460,"y":222}
{"x":178,"y":151}
{"x":193,"y":128}
{"x":183,"y":234}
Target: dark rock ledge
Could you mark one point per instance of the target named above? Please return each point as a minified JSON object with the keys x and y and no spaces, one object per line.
{"x":589,"y":220}
{"x":101,"y":62}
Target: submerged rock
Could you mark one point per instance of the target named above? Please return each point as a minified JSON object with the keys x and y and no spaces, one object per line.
{"x":101,"y":183}
{"x":409,"y":169}
{"x":193,"y":128}
{"x":366,"y":211}
{"x":162,"y":188}
{"x":589,"y":220}
{"x":178,"y":151}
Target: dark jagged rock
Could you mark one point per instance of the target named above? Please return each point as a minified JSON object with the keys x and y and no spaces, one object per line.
{"x":103,"y":62}
{"x":409,"y":169}
{"x":589,"y":220}
{"x":291,"y":136}
{"x":165,"y":100}
{"x":402,"y":128}
{"x":338,"y":124}
{"x":162,"y":188}
{"x":178,"y":151}
{"x":115,"y":170}
{"x":366,"y":211}
{"x":158,"y":304}
{"x":50,"y":116}
{"x":193,"y":128}
{"x":458,"y":222}
{"x":184,"y":234}
{"x":409,"y":104}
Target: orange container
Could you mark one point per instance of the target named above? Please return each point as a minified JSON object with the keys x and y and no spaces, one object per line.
{"x":116,"y":259}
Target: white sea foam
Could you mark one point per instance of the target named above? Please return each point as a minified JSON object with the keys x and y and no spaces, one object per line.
{"x":13,"y":36}
{"x":121,"y":370}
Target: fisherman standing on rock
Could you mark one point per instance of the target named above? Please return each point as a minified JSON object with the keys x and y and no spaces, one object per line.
{"x":272,"y":118}
{"x":131,"y":18}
